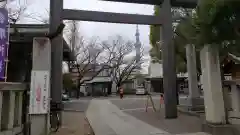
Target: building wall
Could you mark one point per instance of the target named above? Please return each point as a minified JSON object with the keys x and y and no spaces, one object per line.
{"x":128,"y":85}
{"x":156,"y":76}
{"x":235,"y":72}
{"x":89,"y":86}
{"x":114,"y":87}
{"x":103,"y":73}
{"x":155,"y":70}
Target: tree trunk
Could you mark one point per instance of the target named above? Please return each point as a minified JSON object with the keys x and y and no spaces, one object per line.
{"x":78,"y":89}
{"x":177,"y":94}
{"x":117,"y":88}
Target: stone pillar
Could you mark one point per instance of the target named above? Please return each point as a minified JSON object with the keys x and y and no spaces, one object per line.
{"x":235,"y":100}
{"x":41,"y":61}
{"x":212,"y":85}
{"x":194,"y":93}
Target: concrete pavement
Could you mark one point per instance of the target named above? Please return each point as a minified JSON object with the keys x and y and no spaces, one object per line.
{"x":134,"y":102}
{"x":107,"y":119}
{"x":174,"y":126}
{"x":136,"y":107}
{"x":76,"y":105}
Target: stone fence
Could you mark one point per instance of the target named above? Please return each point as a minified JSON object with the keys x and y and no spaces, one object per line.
{"x":232,"y":100}
{"x":11,"y":108}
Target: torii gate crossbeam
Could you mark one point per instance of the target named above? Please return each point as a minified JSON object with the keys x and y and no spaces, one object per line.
{"x":109,"y":17}
{"x":174,"y":3}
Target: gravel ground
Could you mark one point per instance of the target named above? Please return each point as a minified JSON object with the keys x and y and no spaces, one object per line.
{"x":74,"y":123}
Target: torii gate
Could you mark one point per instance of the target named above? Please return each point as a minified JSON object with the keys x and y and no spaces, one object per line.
{"x":58,"y":14}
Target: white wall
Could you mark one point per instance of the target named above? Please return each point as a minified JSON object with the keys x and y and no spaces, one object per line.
{"x":104,"y":73}
{"x":155,"y":70}
{"x":114,"y":86}
{"x":65,"y":67}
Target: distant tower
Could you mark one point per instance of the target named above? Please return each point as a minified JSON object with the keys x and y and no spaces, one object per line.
{"x":137,"y":45}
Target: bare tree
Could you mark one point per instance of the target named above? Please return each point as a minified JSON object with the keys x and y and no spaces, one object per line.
{"x":124,"y":63}
{"x":16,"y":10}
{"x":74,"y":38}
{"x":16,"y":14}
{"x":73,"y":35}
{"x":44,"y":18}
{"x":92,"y":56}
{"x":124,"y":71}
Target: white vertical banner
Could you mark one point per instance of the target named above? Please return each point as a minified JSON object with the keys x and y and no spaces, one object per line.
{"x":39,"y":92}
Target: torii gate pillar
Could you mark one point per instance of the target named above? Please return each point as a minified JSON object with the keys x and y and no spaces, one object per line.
{"x":169,"y":66}
{"x":56,"y":8}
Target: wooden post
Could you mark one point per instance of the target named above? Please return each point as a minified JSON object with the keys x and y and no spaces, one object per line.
{"x":1,"y":105}
{"x":152,"y":103}
{"x":7,"y":60}
{"x":147,"y":104}
{"x":149,"y":97}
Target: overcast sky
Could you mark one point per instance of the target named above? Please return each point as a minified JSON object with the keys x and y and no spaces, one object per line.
{"x":102,"y":30}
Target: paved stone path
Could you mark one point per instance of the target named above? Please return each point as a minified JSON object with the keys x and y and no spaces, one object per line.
{"x":107,"y":119}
